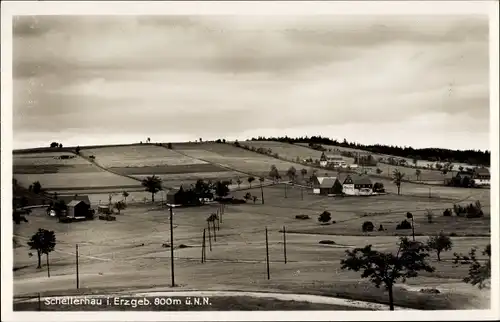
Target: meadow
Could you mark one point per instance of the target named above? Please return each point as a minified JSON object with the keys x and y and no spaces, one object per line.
{"x":128,"y":253}
{"x":229,"y":156}
{"x":56,"y":174}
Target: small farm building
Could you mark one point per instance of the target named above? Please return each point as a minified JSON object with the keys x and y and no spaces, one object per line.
{"x":358,"y":185}
{"x":68,"y":199}
{"x":77,"y":209}
{"x":175,"y":196}
{"x":327,"y":185}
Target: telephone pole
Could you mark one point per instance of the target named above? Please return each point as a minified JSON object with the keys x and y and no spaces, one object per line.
{"x":172,"y":245}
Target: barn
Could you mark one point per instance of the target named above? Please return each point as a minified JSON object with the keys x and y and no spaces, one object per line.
{"x":327,"y":185}
{"x":175,"y":196}
{"x":77,"y":209}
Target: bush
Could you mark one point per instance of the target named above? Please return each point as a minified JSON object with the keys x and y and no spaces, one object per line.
{"x":430,"y":216}
{"x":327,"y":242}
{"x":453,"y":235}
{"x":302,"y":217}
{"x":381,"y":228}
{"x":367,"y":226}
{"x":447,"y":213}
{"x":405,"y":224}
{"x":324,"y":217}
{"x":429,"y":291}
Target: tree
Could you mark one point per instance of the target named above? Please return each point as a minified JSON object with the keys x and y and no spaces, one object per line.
{"x":261,"y":179}
{"x":152,"y":185}
{"x":169,"y":146}
{"x":379,"y":171}
{"x":397,"y":177}
{"x":387,"y":268}
{"x":324,"y":217}
{"x":221,"y":188}
{"x":149,"y":140}
{"x":418,"y":173}
{"x":77,"y":150}
{"x":479,"y":274}
{"x":54,"y":145}
{"x":254,"y":198}
{"x":43,"y":241}
{"x":439,"y":244}
{"x":125,"y":195}
{"x":120,"y":205}
{"x":274,"y":173}
{"x":291,"y":173}
{"x":250,"y":180}
{"x":37,"y":187}
{"x":238,"y":181}
{"x":303,"y":172}
{"x":378,"y":187}
{"x":60,"y":145}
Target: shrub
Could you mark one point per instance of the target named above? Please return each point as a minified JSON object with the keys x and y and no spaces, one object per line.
{"x":324,"y":217}
{"x":378,"y":187}
{"x":405,"y":224}
{"x":367,"y":226}
{"x":381,"y":228}
{"x":430,"y":216}
{"x":327,"y":242}
{"x":302,"y":217}
{"x":430,"y":290}
{"x":453,"y":235}
{"x":447,"y":213}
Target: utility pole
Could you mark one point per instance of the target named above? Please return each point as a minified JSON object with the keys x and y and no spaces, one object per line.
{"x":209,"y":236}
{"x":262,"y":192}
{"x":48,"y":265}
{"x":172,"y":245}
{"x":203,"y":247}
{"x":284,"y":242}
{"x":267,"y":256}
{"x":77,"y":271}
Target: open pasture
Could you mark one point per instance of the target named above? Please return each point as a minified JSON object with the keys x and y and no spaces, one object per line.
{"x":144,"y":155}
{"x":186,"y":179}
{"x":239,"y":159}
{"x":79,"y":181}
{"x":129,"y":252}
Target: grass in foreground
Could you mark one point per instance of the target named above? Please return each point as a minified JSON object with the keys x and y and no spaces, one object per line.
{"x":222,"y":303}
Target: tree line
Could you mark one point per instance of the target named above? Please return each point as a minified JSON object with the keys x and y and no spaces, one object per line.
{"x":474,"y":157}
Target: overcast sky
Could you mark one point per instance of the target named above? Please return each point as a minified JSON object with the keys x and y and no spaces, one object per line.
{"x":403,"y":80}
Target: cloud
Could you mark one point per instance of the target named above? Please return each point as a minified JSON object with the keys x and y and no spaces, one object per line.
{"x":183,"y":75}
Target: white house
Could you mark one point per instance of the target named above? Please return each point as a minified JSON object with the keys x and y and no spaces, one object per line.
{"x":332,"y":160}
{"x":357,"y":185}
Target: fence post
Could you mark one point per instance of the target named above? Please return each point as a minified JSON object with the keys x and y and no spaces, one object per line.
{"x":39,"y":302}
{"x":215,"y":234}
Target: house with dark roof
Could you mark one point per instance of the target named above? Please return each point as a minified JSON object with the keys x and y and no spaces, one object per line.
{"x":326,"y":186}
{"x":476,"y":177}
{"x":357,"y":185}
{"x":78,"y":209}
{"x":68,"y":199}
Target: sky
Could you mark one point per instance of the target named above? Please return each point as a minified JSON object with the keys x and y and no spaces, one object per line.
{"x":420,"y":81}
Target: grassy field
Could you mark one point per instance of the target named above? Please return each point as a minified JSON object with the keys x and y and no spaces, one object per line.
{"x":138,"y":156}
{"x":129,"y":252}
{"x":239,"y":159}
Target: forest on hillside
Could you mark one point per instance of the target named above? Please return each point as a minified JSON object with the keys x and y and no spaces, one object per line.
{"x":472,"y":157}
